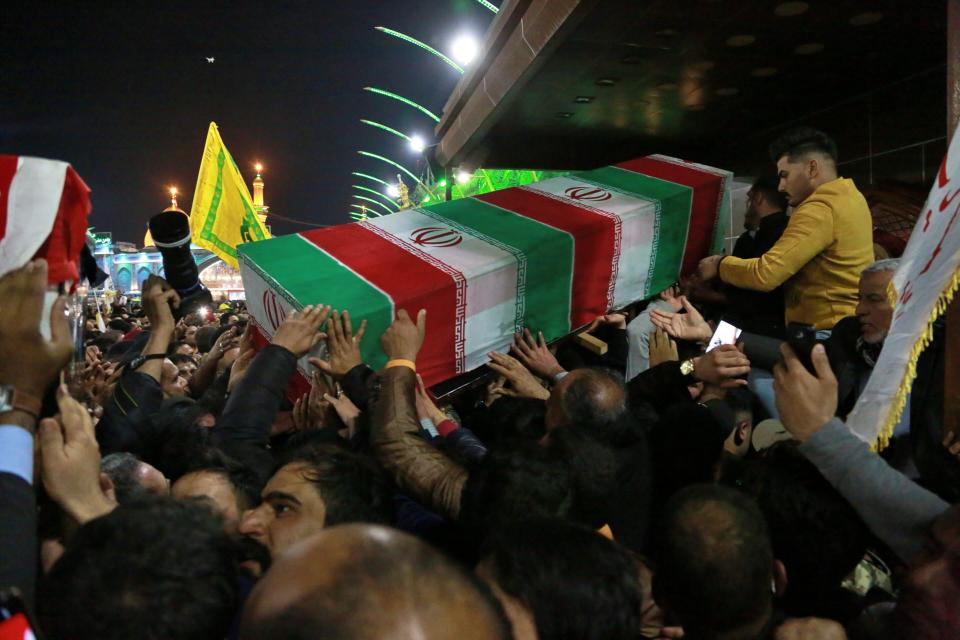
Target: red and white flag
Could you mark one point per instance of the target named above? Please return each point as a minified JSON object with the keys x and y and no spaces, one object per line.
{"x":44,"y":207}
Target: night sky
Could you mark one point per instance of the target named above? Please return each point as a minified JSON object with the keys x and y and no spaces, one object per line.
{"x":124,"y":94}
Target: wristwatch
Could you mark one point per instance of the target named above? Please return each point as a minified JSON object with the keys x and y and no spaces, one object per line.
{"x":12,"y":399}
{"x":686,"y":369}
{"x":137,"y":362}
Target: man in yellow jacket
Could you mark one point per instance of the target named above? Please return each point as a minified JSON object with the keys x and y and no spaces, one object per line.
{"x":827,"y":243}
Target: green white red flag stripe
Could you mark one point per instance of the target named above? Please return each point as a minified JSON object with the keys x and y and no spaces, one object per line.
{"x":549,"y":256}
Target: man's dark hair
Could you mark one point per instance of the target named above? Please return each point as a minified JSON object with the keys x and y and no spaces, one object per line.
{"x":351,"y":485}
{"x":225,"y":317}
{"x":172,"y":349}
{"x":575,"y":582}
{"x":801,"y":141}
{"x":120,"y":325}
{"x":596,"y":400}
{"x":814,"y":531}
{"x":180,"y":358}
{"x":525,"y":482}
{"x":154,"y":569}
{"x":121,"y":468}
{"x":246,"y":483}
{"x":716,"y":563}
{"x":768,"y":187}
{"x":205,"y":338}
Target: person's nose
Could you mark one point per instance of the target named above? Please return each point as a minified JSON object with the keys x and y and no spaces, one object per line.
{"x":254,"y":523}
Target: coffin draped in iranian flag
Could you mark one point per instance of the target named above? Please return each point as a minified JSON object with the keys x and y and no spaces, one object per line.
{"x":549,"y":256}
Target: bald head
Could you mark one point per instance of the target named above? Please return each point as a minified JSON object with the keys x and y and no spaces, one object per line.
{"x":593,"y":398}
{"x":363,"y":581}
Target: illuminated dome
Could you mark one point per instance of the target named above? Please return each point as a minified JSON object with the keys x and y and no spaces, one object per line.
{"x":147,"y":239}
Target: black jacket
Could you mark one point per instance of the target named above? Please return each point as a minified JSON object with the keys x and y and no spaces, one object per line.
{"x":756,"y":311}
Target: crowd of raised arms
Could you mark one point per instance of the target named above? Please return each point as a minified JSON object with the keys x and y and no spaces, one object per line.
{"x":169,"y":487}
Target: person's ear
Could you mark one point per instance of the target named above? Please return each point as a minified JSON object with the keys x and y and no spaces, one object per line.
{"x":779,"y":585}
{"x":813,"y":168}
{"x":106,"y":486}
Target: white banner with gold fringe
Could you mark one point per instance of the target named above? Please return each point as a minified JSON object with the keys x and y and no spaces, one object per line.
{"x":924,"y":284}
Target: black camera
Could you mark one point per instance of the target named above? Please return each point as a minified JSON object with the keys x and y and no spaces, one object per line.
{"x":171,"y":235}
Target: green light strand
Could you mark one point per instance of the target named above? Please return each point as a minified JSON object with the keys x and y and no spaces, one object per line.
{"x":385,"y":197}
{"x":398,"y":166}
{"x":386,"y":128}
{"x":376,"y":202}
{"x":489,"y":6}
{"x":368,"y":177}
{"x":365,"y":210}
{"x":406,"y":101}
{"x":422,"y":45}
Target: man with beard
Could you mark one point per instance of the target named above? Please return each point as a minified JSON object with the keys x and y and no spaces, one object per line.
{"x":316,"y":486}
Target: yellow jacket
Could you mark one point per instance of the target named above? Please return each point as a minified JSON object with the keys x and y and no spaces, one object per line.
{"x":819,"y":257}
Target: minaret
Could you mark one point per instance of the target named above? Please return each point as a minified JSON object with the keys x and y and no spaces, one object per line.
{"x":262,"y":209}
{"x":148,"y":237}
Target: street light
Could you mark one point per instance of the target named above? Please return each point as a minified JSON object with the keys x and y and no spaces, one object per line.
{"x":465,"y":49}
{"x":417,"y":143}
{"x":463,"y":177}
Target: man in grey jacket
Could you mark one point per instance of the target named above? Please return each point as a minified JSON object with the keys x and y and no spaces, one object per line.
{"x":915,"y":523}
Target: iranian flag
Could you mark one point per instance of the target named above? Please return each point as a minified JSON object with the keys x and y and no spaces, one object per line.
{"x":44,"y":207}
{"x":549,"y":256}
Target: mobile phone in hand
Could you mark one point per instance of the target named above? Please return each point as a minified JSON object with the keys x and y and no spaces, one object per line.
{"x":802,"y":338}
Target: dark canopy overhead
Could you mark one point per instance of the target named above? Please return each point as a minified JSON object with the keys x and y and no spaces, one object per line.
{"x":568,"y":84}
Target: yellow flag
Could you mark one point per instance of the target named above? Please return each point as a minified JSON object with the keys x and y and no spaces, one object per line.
{"x":222,"y":215}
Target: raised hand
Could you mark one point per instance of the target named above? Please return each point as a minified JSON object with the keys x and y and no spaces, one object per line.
{"x":159,"y":300}
{"x":402,"y":339}
{"x":70,"y":461}
{"x":300,"y":331}
{"x":671,"y":295}
{"x":535,"y":355}
{"x":523,"y":384}
{"x":806,"y":402}
{"x":709,"y":268}
{"x":346,"y":410}
{"x":662,"y":348}
{"x":722,"y":367}
{"x":615,"y":320}
{"x":426,"y":407}
{"x":343,"y":347}
{"x":682,"y":326}
{"x":28,"y":361}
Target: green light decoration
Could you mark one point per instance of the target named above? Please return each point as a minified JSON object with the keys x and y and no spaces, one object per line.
{"x":422,"y":45}
{"x":368,"y":177}
{"x":405,"y":101}
{"x":442,"y":183}
{"x":489,"y":6}
{"x":386,"y":128}
{"x":374,"y":191}
{"x":376,"y":202}
{"x":364,"y":209}
{"x":398,"y":166}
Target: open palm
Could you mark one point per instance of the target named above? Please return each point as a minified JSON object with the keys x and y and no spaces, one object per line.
{"x":682,"y":326}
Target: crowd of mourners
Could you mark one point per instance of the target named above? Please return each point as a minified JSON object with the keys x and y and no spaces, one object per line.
{"x":165,"y":485}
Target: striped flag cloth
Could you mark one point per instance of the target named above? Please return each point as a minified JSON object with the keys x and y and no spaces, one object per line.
{"x":44,"y":207}
{"x":549,"y":256}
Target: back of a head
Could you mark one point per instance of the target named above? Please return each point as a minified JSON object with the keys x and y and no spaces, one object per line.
{"x":768,"y":187}
{"x":361,"y":582}
{"x":205,"y":338}
{"x":686,"y":447}
{"x":715,"y":560}
{"x":814,"y":531}
{"x":352,"y":486}
{"x":596,"y":401}
{"x":153,"y":569}
{"x":526,"y":482}
{"x":122,"y":468}
{"x":802,"y":141}
{"x":574,"y":582}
